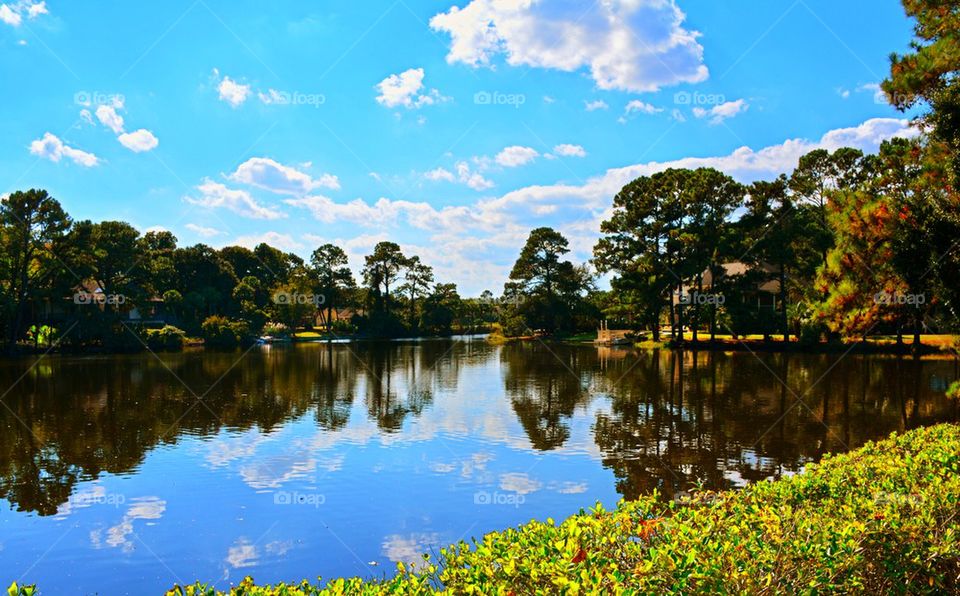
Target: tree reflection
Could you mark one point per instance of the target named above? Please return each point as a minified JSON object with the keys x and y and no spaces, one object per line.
{"x":663,"y":420}
{"x":545,"y":385}
{"x":684,"y":419}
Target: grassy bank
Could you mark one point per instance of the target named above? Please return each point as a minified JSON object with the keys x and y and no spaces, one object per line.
{"x":882,"y":519}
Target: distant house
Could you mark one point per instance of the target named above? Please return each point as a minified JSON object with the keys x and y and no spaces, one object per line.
{"x":337,"y":314}
{"x":89,"y":294}
{"x":765,"y":291}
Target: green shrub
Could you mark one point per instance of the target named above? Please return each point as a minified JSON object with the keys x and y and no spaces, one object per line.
{"x":954,"y":390}
{"x":276,"y":330}
{"x":167,"y":337}
{"x":16,"y":589}
{"x":221,"y":332}
{"x":882,"y":519}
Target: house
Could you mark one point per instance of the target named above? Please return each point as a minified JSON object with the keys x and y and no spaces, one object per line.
{"x":765,"y":291}
{"x":90,"y":294}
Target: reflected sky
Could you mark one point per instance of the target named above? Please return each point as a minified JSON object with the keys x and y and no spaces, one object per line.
{"x":131,"y":473}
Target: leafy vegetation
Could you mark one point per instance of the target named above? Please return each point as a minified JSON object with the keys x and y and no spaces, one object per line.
{"x":882,"y":520}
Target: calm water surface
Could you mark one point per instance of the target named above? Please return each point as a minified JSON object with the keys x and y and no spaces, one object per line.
{"x":127,"y":474}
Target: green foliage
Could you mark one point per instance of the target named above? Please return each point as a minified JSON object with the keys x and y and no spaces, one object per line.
{"x":167,"y":337}
{"x":954,"y":391}
{"x":276,"y":330}
{"x":222,"y":332}
{"x":16,"y":589}
{"x":544,"y":292}
{"x":879,"y":520}
{"x":928,"y":73}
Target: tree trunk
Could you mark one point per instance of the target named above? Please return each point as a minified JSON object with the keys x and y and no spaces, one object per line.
{"x":783,"y":304}
{"x":916,"y":330}
{"x":695,"y":321}
{"x":673,"y":315}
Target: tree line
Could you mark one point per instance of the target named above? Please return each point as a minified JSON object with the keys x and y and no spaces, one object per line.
{"x":847,"y":245}
{"x":78,"y":283}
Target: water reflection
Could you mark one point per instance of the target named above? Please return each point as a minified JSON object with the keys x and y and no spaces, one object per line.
{"x":660,"y":419}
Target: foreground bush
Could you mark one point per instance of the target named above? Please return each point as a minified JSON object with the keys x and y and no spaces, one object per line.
{"x":222,"y":332}
{"x":167,"y":337}
{"x":882,"y":519}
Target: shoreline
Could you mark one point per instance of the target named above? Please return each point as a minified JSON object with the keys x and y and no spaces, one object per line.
{"x":856,"y":521}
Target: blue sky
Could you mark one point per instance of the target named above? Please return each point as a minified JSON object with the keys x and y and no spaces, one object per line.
{"x":452,"y":127}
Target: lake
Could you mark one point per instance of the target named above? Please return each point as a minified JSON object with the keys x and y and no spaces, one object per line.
{"x":131,"y":473}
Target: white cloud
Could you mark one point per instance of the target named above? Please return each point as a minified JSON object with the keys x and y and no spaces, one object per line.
{"x":567,"y":150}
{"x":516,"y":155}
{"x":272,"y":96}
{"x":636,"y":105}
{"x":8,"y":16}
{"x":475,"y":244}
{"x":214,"y":195}
{"x":409,"y":549}
{"x":275,"y":239}
{"x":52,"y":148}
{"x":36,"y":9}
{"x":464,"y":175}
{"x":519,"y":483}
{"x":108,"y":116}
{"x":404,"y":89}
{"x":439,"y":174}
{"x":12,"y":14}
{"x":232,"y":92}
{"x":721,"y":112}
{"x":630,"y":45}
{"x":472,"y":179}
{"x":139,"y":141}
{"x":878,"y":95}
{"x":203,"y":231}
{"x":271,"y":175}
{"x":598,"y":104}
{"x":548,"y":99}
